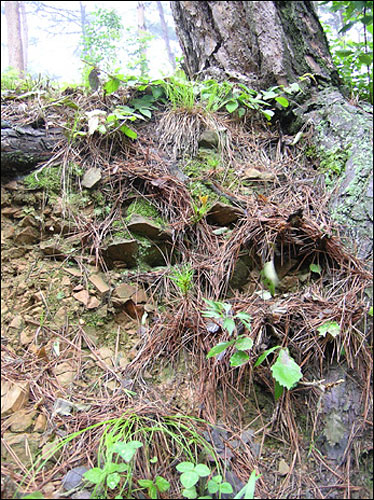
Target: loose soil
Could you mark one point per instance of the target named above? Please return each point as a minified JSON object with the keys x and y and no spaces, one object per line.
{"x":94,"y":328}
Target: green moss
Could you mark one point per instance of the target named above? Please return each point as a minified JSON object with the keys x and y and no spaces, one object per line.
{"x":48,"y":179}
{"x":142,"y":207}
{"x":332,"y":164}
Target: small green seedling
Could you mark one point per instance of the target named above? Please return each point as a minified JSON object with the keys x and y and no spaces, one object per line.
{"x":286,"y":372}
{"x":109,"y":474}
{"x":315,"y":268}
{"x":159,"y":484}
{"x":191,"y":474}
{"x":248,"y":491}
{"x":242,"y":343}
{"x":331,"y":327}
{"x":182,"y":277}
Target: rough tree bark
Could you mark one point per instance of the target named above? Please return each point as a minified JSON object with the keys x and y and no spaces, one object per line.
{"x":23,"y":149}
{"x":260,"y":43}
{"x":269,"y":43}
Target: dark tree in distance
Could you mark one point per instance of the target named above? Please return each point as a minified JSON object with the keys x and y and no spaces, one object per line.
{"x":14,"y":32}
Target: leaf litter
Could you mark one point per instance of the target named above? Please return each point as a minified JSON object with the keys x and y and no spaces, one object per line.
{"x":155,"y":351}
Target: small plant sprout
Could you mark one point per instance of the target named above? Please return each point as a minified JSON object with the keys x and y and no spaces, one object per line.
{"x":182,"y":277}
{"x":315,"y":268}
{"x":109,"y":474}
{"x":248,"y":491}
{"x":159,"y":484}
{"x":242,"y":343}
{"x":270,"y":277}
{"x":200,"y":210}
{"x":286,"y":372}
{"x":191,"y":474}
{"x":330,"y":327}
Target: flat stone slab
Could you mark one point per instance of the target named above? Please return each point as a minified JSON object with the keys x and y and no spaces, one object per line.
{"x":222,"y":214}
{"x":146,"y":227}
{"x":121,"y":250}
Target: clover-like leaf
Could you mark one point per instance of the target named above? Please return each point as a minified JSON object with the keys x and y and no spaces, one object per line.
{"x":127,"y":450}
{"x":189,"y":478}
{"x":331,"y":327}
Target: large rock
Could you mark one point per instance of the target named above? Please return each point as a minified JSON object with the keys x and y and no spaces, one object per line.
{"x":122,"y":251}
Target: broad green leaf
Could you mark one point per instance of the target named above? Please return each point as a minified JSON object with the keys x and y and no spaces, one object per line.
{"x":112,"y":480}
{"x":365,"y":59}
{"x":241,"y":112}
{"x":294,"y":87}
{"x":190,"y":492}
{"x":278,"y":391}
{"x":244,"y":343}
{"x":229,"y":325}
{"x":153,"y":460}
{"x":245,"y":318}
{"x":202,"y":470}
{"x":282,"y":101}
{"x":37,"y":495}
{"x":217,"y":349}
{"x":185,"y":467}
{"x":110,"y":467}
{"x":95,"y":475}
{"x":129,"y":132}
{"x":226,"y":488}
{"x":111,"y":86}
{"x":239,"y":358}
{"x":285,"y":371}
{"x":146,"y":112}
{"x":122,"y":467}
{"x":344,"y":52}
{"x":331,"y":327}
{"x":232,"y":105}
{"x":267,"y":113}
{"x":189,"y":479}
{"x":162,"y":484}
{"x":152,"y":492}
{"x":265,"y":354}
{"x":127,"y":450}
{"x":157,"y":91}
{"x":370,"y":312}
{"x":269,"y":95}
{"x":145,"y":483}
{"x":315,"y":268}
{"x":213,"y":487}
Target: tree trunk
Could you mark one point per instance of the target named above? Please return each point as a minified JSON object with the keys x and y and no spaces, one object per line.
{"x":23,"y":149}
{"x":266,"y":43}
{"x":15,"y":49}
{"x":258,"y":43}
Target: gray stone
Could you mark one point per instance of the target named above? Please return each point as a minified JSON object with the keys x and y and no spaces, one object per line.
{"x":146,"y":227}
{"x":209,"y":139}
{"x":74,"y":478}
{"x":91,"y":177}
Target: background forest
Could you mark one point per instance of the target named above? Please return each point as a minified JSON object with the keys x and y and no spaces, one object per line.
{"x":138,"y":38}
